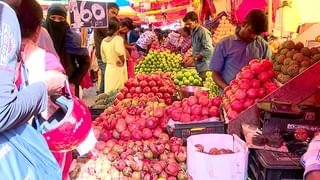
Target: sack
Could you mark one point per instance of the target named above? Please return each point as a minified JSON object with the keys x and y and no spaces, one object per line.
{"x":24,"y":154}
{"x":218,"y":167}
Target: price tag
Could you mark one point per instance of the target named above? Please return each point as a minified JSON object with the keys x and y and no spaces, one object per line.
{"x":88,"y":14}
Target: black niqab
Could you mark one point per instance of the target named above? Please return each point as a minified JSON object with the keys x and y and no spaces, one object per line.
{"x":57,"y":30}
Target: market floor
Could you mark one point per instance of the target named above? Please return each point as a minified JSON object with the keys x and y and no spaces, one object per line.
{"x":89,"y":95}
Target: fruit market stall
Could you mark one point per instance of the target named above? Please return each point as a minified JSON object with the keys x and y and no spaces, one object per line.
{"x":145,"y":126}
{"x":132,"y":137}
{"x":146,"y":130}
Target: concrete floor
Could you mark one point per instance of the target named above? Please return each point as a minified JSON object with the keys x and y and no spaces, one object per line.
{"x":89,"y":95}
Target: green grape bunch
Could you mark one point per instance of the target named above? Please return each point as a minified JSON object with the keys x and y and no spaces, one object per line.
{"x":214,"y":89}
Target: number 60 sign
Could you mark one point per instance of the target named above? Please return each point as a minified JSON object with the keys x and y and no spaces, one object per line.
{"x":88,"y":14}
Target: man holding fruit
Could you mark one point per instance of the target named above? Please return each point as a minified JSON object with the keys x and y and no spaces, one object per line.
{"x":201,"y":43}
{"x":234,"y":52}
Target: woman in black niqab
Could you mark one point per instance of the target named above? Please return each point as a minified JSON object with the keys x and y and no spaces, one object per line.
{"x":57,"y":26}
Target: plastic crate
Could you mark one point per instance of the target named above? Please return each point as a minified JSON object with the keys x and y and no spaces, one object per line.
{"x":184,"y":130}
{"x":95,"y":112}
{"x":269,"y":165}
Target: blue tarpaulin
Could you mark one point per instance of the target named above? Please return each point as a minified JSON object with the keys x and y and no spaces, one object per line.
{"x":123,"y":2}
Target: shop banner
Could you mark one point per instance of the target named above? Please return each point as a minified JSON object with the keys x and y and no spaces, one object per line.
{"x":93,"y":14}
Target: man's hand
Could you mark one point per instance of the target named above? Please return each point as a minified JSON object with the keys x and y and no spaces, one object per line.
{"x":217,"y":77}
{"x":55,"y":81}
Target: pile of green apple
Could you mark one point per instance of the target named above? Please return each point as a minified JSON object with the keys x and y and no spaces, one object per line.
{"x":159,"y":61}
{"x":187,"y":77}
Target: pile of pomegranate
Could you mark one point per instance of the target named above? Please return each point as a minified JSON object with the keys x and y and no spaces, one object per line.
{"x":139,"y":160}
{"x":159,"y":84}
{"x":135,"y":119}
{"x":213,"y":151}
{"x":252,"y":83}
{"x":195,"y":108}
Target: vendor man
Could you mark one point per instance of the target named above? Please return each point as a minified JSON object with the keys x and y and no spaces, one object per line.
{"x":201,"y":43}
{"x":234,"y":52}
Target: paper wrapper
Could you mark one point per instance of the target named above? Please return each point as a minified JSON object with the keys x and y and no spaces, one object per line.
{"x":218,"y":167}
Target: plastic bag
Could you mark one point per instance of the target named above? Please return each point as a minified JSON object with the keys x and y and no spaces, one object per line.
{"x":24,"y":154}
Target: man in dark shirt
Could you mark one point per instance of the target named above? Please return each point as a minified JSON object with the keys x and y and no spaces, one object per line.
{"x":99,"y":35}
{"x":134,"y":34}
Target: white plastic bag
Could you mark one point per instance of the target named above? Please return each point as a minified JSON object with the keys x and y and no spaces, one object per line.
{"x":202,"y":166}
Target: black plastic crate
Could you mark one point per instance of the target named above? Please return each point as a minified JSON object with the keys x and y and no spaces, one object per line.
{"x":95,"y":112}
{"x":269,"y":165}
{"x":185,"y":130}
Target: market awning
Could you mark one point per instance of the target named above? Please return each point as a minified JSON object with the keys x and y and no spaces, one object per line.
{"x":119,"y":2}
{"x":172,"y":9}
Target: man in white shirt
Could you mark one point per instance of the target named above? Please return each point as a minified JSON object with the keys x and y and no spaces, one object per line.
{"x":145,"y":40}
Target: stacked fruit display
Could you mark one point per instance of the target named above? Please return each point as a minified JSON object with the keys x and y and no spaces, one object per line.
{"x":157,"y":84}
{"x":293,"y":59}
{"x":156,"y":47}
{"x":163,"y":61}
{"x":188,"y":77}
{"x":274,"y":45}
{"x":188,"y":59}
{"x":194,"y":108}
{"x":141,"y":118}
{"x":254,"y":81}
{"x":139,"y":160}
{"x":211,"y":85}
{"x":224,"y":29}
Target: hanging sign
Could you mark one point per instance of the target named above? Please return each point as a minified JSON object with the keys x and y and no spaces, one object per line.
{"x":88,"y":14}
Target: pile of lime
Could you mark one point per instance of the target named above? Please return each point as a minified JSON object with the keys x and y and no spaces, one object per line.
{"x":187,"y":77}
{"x":157,"y":61}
